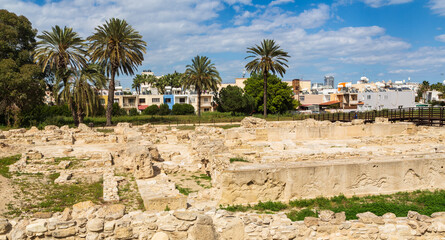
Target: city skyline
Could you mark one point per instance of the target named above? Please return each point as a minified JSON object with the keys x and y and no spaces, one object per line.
{"x":381,"y":39}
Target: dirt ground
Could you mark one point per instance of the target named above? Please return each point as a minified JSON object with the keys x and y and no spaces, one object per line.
{"x":7,"y":194}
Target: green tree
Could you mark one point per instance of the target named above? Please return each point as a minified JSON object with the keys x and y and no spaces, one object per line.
{"x":201,"y":74}
{"x":86,"y":84}
{"x":173,"y":80}
{"x":279,"y":94}
{"x":61,"y":51}
{"x":423,"y":88}
{"x":139,"y":79}
{"x":120,"y":49}
{"x":233,"y":99}
{"x":21,"y":81}
{"x":267,"y":58}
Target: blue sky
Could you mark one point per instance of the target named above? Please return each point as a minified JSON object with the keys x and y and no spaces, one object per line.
{"x":381,"y":39}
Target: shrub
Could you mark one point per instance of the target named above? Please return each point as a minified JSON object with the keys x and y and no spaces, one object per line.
{"x":183,"y":109}
{"x":151,"y":110}
{"x":117,"y":110}
{"x":164,"y":109}
{"x":133,"y":112}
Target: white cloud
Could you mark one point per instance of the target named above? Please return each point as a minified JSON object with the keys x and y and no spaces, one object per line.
{"x":278,"y":2}
{"x":381,"y":3}
{"x":440,"y":38}
{"x":398,"y":71}
{"x":437,"y":6}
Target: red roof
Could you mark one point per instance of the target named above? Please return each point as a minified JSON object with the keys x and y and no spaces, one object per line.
{"x":329,"y":103}
{"x":142,"y":107}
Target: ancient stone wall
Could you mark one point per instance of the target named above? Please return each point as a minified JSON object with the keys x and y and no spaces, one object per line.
{"x":285,"y":181}
{"x":88,"y":221}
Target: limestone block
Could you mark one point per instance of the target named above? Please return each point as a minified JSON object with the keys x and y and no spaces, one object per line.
{"x":253,"y":122}
{"x":123,"y":233}
{"x":326,"y":215}
{"x":185,"y":216}
{"x":202,"y":232}
{"x":111,"y":212}
{"x":310,"y":221}
{"x":63,"y":233}
{"x":95,"y":225}
{"x":161,"y":203}
{"x":160,"y":236}
{"x":37,"y":227}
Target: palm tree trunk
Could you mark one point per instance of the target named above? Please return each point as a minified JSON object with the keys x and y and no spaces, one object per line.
{"x":265,"y":95}
{"x":73,"y":112}
{"x":110,"y":97}
{"x":199,"y":102}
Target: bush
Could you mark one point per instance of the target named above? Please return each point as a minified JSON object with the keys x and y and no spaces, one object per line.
{"x":117,"y":110}
{"x":164,"y":110}
{"x":183,"y":109}
{"x":151,"y":110}
{"x":133,"y":112}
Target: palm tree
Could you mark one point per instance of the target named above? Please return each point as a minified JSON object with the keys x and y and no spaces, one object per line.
{"x":202,"y":74}
{"x":85,"y":87}
{"x":120,"y":49}
{"x":61,"y":51}
{"x":267,"y":57}
{"x":138,"y":80}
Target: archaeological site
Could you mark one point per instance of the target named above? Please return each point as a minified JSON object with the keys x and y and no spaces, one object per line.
{"x":254,"y":180}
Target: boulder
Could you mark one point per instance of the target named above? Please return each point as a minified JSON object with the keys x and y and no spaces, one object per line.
{"x":111,"y":212}
{"x":253,"y":122}
{"x":95,"y":225}
{"x":160,"y":236}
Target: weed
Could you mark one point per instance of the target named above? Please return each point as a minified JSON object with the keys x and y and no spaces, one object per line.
{"x":238,"y":160}
{"x":167,"y":208}
{"x":105,"y":130}
{"x":300,"y":215}
{"x":4,"y":165}
{"x":185,"y":191}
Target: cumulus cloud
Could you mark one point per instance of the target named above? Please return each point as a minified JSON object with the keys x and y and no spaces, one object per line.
{"x":437,"y":6}
{"x":380,"y":3}
{"x":278,"y":2}
{"x":440,"y":38}
{"x":176,"y":34}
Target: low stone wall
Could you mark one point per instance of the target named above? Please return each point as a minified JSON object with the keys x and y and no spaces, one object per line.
{"x":311,"y":129}
{"x":88,"y":221}
{"x":285,"y":181}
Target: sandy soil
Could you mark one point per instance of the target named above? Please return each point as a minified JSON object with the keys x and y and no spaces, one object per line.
{"x":6,"y":191}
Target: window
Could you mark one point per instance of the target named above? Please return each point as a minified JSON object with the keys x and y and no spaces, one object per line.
{"x":141,"y":100}
{"x":131,"y":101}
{"x":206,"y":109}
{"x":102,"y":101}
{"x":116,"y":100}
{"x":168,"y":100}
{"x":182,"y":100}
{"x":369,"y":97}
{"x":386,"y":97}
{"x":206,"y":99}
{"x":155,"y":100}
{"x":301,"y":98}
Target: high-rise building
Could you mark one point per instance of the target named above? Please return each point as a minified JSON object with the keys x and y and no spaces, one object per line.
{"x":329,"y":81}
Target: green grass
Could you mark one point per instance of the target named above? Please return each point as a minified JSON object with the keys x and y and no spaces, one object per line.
{"x":105,"y":130}
{"x":185,"y":191}
{"x":424,"y":202}
{"x":4,"y":165}
{"x":238,"y":160}
{"x":202,"y":176}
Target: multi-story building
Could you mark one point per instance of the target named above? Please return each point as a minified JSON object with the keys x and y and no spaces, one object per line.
{"x":386,"y":99}
{"x":329,"y":81}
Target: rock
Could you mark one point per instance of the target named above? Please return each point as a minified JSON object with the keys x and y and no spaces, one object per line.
{"x":160,"y":236}
{"x":95,"y":225}
{"x":92,"y":236}
{"x":123,"y":233}
{"x":84,"y":128}
{"x":310,"y":221}
{"x":204,"y":220}
{"x":326,"y":215}
{"x":37,"y":227}
{"x":186,"y":216}
{"x":111,"y":212}
{"x":358,"y":122}
{"x":412,"y":215}
{"x":122,"y":128}
{"x":42,"y":214}
{"x":64,"y":178}
{"x":51,"y":128}
{"x":109,"y":226}
{"x":63,"y":233}
{"x":202,"y":232}
{"x":253,"y":122}
{"x":66,"y":215}
{"x":366,"y":217}
{"x":5,"y":226}
{"x":83,"y":206}
{"x":64,"y":164}
{"x":67,"y":224}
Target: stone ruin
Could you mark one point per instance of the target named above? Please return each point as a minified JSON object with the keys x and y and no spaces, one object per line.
{"x":258,"y":161}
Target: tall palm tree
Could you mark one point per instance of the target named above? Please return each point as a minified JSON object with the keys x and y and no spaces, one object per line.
{"x":138,"y":80}
{"x":201,"y":74}
{"x":267,"y":58}
{"x":120,"y":49}
{"x":85,"y":87}
{"x":61,"y":51}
